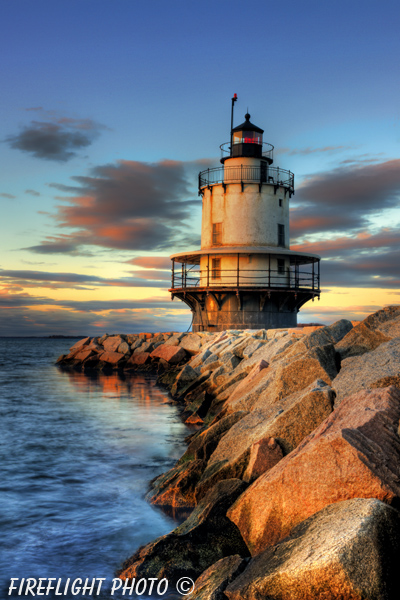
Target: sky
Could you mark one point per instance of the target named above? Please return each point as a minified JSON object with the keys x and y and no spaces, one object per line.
{"x":110,"y":108}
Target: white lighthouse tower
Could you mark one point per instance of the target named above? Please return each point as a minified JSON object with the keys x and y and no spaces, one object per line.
{"x":245,"y":276}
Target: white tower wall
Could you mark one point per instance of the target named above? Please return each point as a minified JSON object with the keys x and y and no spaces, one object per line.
{"x":249,"y":217}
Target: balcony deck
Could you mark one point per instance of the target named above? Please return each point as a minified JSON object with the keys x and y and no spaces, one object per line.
{"x":241,"y":174}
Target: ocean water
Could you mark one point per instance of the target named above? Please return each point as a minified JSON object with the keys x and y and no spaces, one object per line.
{"x":76,"y":456}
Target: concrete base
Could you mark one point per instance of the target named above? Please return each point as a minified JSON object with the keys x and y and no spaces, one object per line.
{"x":220,"y":321}
{"x":219,"y":309}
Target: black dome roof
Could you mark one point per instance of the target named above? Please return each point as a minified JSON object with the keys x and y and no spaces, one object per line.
{"x":247,"y":126}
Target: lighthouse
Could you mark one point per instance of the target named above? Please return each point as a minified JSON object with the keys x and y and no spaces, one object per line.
{"x":245,"y":276}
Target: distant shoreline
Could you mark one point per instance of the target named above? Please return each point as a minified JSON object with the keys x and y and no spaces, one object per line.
{"x":40,"y":337}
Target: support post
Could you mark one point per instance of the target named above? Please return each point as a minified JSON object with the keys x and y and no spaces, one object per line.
{"x":208,"y":270}
{"x":173,"y":274}
{"x":237,"y":278}
{"x":233,"y":103}
{"x":269,"y":270}
{"x":313,"y":276}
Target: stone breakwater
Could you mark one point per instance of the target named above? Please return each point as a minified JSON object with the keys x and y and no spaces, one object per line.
{"x":293,"y":472}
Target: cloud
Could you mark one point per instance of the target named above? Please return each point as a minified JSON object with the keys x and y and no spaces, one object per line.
{"x":305,"y":151}
{"x":129,"y":205}
{"x":8,"y":196}
{"x":24,"y":314}
{"x":32,"y":192}
{"x":384,"y":238}
{"x":151,"y":262}
{"x":37,"y":322}
{"x":364,"y":259}
{"x":26,"y":278}
{"x":345,"y":199}
{"x":58,"y":139}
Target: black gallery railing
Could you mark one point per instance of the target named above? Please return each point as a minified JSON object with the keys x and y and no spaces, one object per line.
{"x":266,"y":150}
{"x":263,"y":174}
{"x":263,"y":278}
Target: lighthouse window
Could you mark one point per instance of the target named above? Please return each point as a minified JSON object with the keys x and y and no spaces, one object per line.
{"x":216,"y":268}
{"x":280,"y":201}
{"x":247,"y":137}
{"x":281,"y":234}
{"x":217,"y":234}
{"x":281,"y":266}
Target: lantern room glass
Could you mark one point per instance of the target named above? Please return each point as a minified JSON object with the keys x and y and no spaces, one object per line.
{"x":247,"y":137}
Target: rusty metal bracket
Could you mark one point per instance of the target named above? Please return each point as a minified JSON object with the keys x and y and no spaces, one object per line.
{"x":239,"y":300}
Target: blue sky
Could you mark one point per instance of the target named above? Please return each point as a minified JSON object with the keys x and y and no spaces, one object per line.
{"x":109,"y":110}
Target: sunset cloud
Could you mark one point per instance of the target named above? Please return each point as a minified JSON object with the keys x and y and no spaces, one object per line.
{"x":324,"y":149}
{"x":129,"y":205}
{"x":32,"y":315}
{"x":151,"y":262}
{"x":345,"y":199}
{"x":360,"y":260}
{"x":43,"y":279}
{"x":384,"y":238}
{"x":58,"y":139}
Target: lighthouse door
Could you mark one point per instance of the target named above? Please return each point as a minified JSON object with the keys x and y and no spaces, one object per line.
{"x":263,"y":172}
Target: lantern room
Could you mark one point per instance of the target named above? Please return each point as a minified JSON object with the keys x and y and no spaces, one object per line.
{"x":247,"y":139}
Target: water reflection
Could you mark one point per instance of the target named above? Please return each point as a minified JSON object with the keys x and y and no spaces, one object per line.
{"x":76,"y":456}
{"x":118,"y":385}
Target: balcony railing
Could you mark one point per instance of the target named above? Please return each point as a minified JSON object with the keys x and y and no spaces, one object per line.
{"x":267,"y":150}
{"x":292,"y":279}
{"x":263,"y":174}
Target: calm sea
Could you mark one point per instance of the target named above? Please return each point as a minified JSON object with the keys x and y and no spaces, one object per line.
{"x":76,"y":456}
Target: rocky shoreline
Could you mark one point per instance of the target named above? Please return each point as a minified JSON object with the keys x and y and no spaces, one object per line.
{"x":293,"y":472}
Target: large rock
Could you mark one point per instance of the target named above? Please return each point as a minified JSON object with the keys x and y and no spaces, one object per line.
{"x":174,"y":339}
{"x":380,"y":320}
{"x":354,"y":453}
{"x":138,"y":360}
{"x":176,"y":487}
{"x":147,"y":346}
{"x":198,"y":360}
{"x":362,"y":372}
{"x":267,"y":352}
{"x":330,"y":334}
{"x":205,"y":537}
{"x":112,"y":358}
{"x":264,"y":455}
{"x":186,"y":376}
{"x":191,"y":343}
{"x":248,"y":378}
{"x":391,"y":328}
{"x":212,"y":583}
{"x":359,"y":340}
{"x":288,"y":422}
{"x":123,"y":348}
{"x":347,"y":551}
{"x":79,"y":345}
{"x":94,"y":345}
{"x":376,"y":329}
{"x":83,"y":354}
{"x":171,"y":354}
{"x":204,"y":442}
{"x":112,"y":343}
{"x":136,"y":344}
{"x":284,"y":377}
